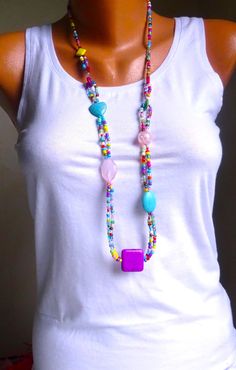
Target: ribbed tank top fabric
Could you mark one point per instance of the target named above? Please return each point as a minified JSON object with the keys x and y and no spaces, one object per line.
{"x":175,"y":314}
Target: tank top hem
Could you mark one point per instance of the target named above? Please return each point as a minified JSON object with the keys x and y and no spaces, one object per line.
{"x":206,"y":64}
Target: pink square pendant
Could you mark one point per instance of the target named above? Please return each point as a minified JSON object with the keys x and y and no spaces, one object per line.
{"x":132,"y":260}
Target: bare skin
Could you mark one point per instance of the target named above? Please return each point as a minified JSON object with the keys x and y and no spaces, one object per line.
{"x":110,"y":31}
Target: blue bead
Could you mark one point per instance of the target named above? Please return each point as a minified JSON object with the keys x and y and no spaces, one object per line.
{"x":98,"y":109}
{"x":149,"y":201}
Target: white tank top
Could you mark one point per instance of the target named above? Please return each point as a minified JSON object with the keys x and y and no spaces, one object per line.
{"x":90,"y":315}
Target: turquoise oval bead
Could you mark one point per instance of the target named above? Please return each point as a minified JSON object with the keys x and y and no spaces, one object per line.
{"x":98,"y":109}
{"x":149,"y":201}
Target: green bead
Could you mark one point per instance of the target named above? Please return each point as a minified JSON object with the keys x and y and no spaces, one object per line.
{"x":149,"y":201}
{"x":145,"y":104}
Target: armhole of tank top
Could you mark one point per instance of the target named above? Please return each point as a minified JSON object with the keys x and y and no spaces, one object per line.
{"x":206,"y":64}
{"x":26,"y":75}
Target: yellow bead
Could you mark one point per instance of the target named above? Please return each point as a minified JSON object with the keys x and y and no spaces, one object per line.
{"x":105,"y":127}
{"x":115,"y":254}
{"x":80,"y":52}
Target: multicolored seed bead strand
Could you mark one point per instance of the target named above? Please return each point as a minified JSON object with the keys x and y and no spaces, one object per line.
{"x":131,"y":259}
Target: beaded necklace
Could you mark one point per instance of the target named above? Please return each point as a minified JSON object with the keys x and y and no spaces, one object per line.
{"x":131,"y":259}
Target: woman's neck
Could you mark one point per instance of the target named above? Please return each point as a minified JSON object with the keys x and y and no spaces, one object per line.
{"x":110,"y":23}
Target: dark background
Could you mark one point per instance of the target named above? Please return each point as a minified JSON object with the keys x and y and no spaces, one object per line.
{"x":200,"y":8}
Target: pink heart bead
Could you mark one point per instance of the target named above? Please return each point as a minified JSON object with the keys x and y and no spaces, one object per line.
{"x":108,"y":169}
{"x":144,"y":137}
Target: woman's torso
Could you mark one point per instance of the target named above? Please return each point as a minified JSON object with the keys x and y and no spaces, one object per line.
{"x":176,"y":311}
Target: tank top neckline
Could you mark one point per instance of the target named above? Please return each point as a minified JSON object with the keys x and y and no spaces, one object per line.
{"x":154,"y":75}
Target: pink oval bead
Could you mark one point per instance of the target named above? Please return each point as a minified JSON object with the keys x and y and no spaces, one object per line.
{"x":108,"y":169}
{"x":144,"y":137}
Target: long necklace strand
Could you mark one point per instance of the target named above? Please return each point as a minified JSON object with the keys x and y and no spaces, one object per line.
{"x":131,"y":259}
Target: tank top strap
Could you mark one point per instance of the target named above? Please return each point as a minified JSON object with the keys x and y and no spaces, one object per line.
{"x":193,"y":42}
{"x":36,"y":61}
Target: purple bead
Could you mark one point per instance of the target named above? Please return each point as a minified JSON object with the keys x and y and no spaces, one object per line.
{"x":132,"y":260}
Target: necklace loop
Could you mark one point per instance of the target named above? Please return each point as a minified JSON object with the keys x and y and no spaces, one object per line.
{"x":131,"y":259}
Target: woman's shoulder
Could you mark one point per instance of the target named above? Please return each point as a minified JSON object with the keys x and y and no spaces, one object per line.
{"x":12,"y":57}
{"x":221,"y":46}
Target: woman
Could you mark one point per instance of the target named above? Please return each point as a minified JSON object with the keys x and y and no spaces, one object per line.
{"x":170,"y":312}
